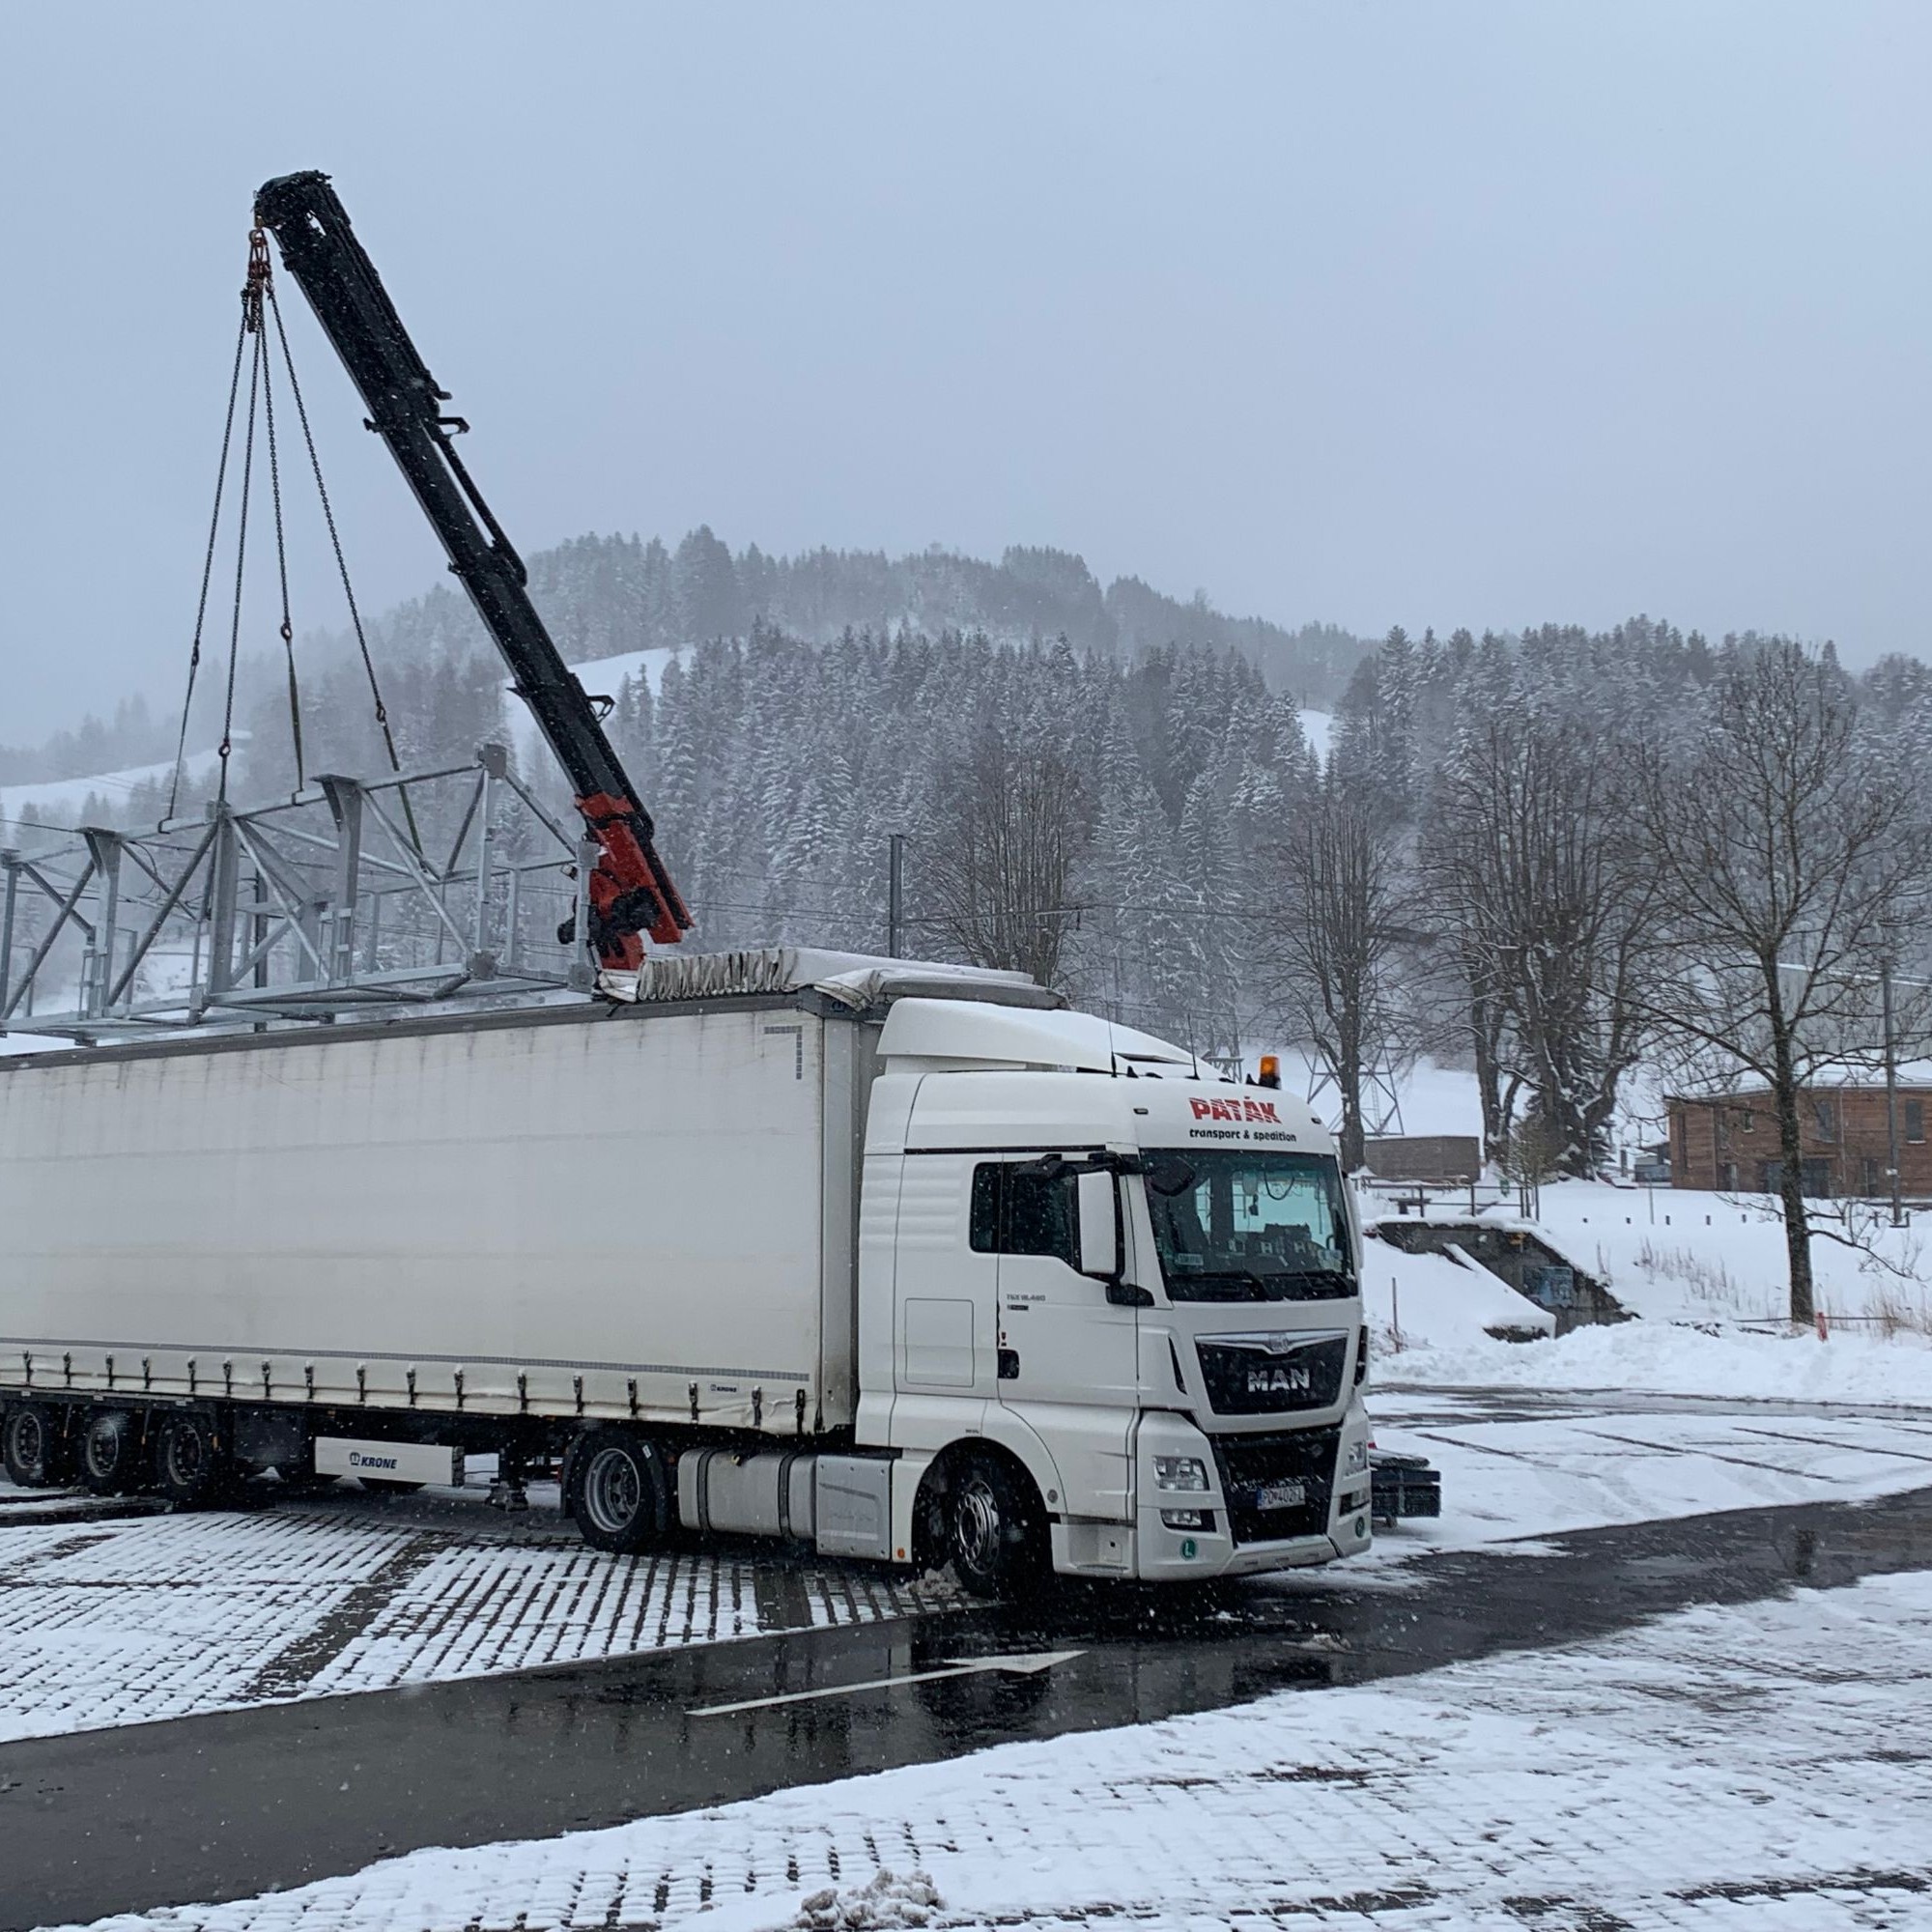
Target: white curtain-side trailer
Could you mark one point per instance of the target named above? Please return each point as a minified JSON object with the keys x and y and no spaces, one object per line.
{"x":903,"y":1264}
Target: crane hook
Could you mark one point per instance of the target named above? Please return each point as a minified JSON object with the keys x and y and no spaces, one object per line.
{"x":257,"y":284}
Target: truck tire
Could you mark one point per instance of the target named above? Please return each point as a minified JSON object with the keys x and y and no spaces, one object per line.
{"x":617,"y":1490}
{"x":989,"y":1526}
{"x":190,"y":1464}
{"x":110,"y":1449}
{"x":33,"y":1447}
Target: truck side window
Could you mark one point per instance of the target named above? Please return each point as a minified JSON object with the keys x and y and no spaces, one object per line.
{"x":986,"y":1207}
{"x":1024,"y":1214}
{"x":1041,"y":1217}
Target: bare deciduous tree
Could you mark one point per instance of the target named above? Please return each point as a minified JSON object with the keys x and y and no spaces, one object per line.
{"x":1014,"y":819}
{"x":1549,"y":909}
{"x":1339,"y":936}
{"x":1787,"y":864}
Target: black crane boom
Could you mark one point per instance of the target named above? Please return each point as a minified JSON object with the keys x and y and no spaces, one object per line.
{"x":630,"y":892}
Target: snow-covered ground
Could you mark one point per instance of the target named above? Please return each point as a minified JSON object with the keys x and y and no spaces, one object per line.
{"x":115,"y":1622}
{"x":1508,"y":1477}
{"x":1761,"y":1767}
{"x":106,"y":1623}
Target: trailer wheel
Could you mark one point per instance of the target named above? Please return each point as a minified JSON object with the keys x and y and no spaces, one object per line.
{"x":190,"y":1465}
{"x":616,"y":1489}
{"x":987,"y":1522}
{"x":110,"y":1453}
{"x":31,"y":1447}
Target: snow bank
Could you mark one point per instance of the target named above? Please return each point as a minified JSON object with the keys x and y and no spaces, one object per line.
{"x":1437,"y":1302}
{"x":888,"y":1901}
{"x":1664,"y":1358}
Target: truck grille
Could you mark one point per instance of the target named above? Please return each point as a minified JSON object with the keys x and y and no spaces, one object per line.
{"x":1271,"y":1374}
{"x":1249,"y":1465}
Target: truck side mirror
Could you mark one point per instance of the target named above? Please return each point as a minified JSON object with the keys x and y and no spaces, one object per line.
{"x":1099,"y":1226}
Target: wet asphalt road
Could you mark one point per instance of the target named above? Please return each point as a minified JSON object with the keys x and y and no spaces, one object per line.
{"x":227,"y":1805}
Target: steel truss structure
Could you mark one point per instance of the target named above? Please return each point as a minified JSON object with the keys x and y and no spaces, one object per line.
{"x":329,"y":902}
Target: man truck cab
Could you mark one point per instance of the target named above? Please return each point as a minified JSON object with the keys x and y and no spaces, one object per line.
{"x":1133,"y":1284}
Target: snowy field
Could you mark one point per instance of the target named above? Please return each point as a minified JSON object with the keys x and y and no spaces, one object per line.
{"x":1682,"y":1255}
{"x":1705,"y":1275}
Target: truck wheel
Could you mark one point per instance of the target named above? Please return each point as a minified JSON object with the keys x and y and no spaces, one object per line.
{"x":990,"y":1527}
{"x":190,"y":1466}
{"x":110,"y":1451}
{"x":31,"y":1447}
{"x":618,"y":1492}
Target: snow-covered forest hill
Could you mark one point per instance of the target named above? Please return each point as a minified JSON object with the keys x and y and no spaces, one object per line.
{"x":1497,"y":854}
{"x":606,"y":595}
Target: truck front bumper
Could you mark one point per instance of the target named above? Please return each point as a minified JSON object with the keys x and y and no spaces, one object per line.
{"x":1224,"y":1540}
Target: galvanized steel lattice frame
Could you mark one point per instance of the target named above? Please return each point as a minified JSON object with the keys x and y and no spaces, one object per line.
{"x":327,"y":903}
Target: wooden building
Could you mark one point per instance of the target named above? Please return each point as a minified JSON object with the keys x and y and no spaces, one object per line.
{"x":1730,"y":1142}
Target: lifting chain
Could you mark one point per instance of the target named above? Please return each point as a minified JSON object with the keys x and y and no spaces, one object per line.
{"x":258,"y":304}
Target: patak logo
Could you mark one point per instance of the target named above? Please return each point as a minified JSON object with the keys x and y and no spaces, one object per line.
{"x":1236,"y":1110}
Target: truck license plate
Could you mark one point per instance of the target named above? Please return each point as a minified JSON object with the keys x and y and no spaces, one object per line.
{"x":1280,"y":1496}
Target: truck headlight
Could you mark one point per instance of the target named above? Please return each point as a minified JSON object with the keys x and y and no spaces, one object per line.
{"x":1180,"y":1472}
{"x":1357,"y":1458}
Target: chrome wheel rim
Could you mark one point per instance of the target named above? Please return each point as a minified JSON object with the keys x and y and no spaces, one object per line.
{"x":611,"y":1491}
{"x":976,"y":1522}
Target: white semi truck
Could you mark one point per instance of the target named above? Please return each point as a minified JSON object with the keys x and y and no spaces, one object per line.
{"x":900,"y":1264}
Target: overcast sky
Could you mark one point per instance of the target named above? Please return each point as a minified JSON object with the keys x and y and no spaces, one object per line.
{"x":1470,"y":313}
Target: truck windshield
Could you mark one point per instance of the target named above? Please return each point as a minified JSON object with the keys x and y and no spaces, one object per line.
{"x":1249,"y":1227}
